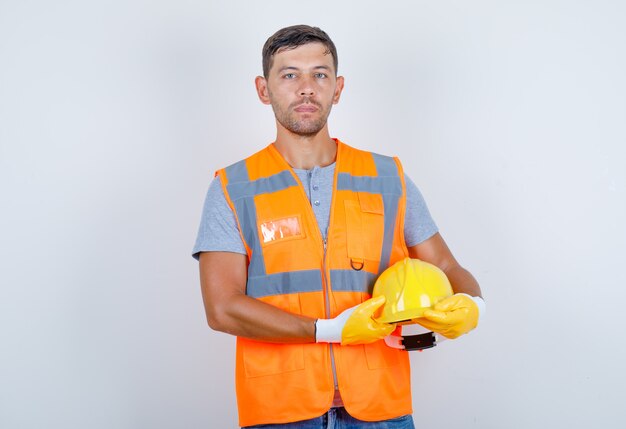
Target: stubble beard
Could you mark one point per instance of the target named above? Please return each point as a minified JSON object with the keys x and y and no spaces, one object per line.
{"x":301,"y":127}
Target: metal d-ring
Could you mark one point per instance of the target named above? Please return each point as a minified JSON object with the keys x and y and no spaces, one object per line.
{"x":355,"y":268}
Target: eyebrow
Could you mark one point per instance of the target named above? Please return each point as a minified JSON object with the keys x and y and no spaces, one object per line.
{"x":290,"y":68}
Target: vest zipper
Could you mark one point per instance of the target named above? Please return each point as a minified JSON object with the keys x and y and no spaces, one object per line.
{"x":324,"y":275}
{"x":327,"y":294}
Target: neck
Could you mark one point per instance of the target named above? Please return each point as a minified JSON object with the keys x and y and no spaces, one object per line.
{"x":306,"y":152}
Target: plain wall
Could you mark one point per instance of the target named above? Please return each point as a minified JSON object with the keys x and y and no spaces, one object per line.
{"x":509,"y":116}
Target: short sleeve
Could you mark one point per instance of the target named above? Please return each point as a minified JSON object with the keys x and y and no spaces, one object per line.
{"x":218,"y":231}
{"x":419,"y":225}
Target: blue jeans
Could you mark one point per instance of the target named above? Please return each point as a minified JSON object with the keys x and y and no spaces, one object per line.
{"x":338,"y":418}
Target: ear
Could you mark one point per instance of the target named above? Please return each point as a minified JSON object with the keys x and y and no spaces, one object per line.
{"x":261,"y":89}
{"x":338,"y":89}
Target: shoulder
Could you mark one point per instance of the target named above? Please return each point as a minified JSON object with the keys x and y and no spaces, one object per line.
{"x":385,"y":165}
{"x":215,"y":195}
{"x":240,"y":170}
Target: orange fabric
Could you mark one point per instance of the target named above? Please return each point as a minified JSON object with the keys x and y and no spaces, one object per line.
{"x":280,"y":383}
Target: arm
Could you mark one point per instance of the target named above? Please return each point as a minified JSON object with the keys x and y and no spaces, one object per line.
{"x":223,"y":277}
{"x":435,"y":251}
{"x":229,"y":309}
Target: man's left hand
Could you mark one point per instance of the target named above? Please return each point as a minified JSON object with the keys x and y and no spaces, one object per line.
{"x":452,"y":316}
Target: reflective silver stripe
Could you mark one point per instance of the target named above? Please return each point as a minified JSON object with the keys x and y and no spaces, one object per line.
{"x":352,"y":281}
{"x":386,"y":167}
{"x":285,"y":283}
{"x":264,"y":185}
{"x":373,"y":185}
{"x":391,"y":211}
{"x":310,"y":281}
{"x":237,"y":174}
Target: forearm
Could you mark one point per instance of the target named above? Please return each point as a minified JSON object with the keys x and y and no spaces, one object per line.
{"x":228,"y":309}
{"x":462,"y":281}
{"x":248,"y":317}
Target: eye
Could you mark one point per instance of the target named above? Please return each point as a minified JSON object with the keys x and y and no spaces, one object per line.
{"x":289,"y":76}
{"x":321,"y":75}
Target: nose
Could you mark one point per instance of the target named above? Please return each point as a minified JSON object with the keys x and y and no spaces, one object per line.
{"x":306,"y":88}
{"x":307,"y":92}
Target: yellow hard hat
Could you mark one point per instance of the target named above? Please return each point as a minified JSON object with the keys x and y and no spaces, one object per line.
{"x":410,"y":286}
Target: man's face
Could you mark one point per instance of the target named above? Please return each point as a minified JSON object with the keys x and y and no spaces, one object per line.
{"x":301,"y":87}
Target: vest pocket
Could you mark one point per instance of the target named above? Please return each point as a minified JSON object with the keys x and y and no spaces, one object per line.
{"x":365,"y":227}
{"x":378,"y":355}
{"x":260,"y":359}
{"x":281,"y":229}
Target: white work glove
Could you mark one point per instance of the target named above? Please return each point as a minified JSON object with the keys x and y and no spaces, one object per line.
{"x":355,"y":325}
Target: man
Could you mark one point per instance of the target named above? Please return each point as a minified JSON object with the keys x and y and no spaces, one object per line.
{"x":290,"y":244}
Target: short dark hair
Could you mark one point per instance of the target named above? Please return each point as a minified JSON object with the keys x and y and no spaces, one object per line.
{"x":292,"y":37}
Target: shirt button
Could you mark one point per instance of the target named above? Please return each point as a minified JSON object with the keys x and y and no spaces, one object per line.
{"x":317,"y":202}
{"x":315,"y":187}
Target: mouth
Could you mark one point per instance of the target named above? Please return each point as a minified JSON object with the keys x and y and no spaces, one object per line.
{"x":306,"y":108}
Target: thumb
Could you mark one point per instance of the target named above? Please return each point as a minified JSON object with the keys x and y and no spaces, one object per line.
{"x":429,"y":324}
{"x":447,"y":304}
{"x":452,"y":317}
{"x":371,"y":305}
{"x":440,"y":317}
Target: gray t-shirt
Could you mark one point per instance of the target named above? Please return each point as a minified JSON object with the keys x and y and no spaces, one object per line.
{"x":219,"y":232}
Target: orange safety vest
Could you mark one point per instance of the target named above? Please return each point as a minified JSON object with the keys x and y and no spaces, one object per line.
{"x":292,"y":268}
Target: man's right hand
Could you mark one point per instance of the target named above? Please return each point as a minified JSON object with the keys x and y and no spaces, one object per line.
{"x":354,"y":325}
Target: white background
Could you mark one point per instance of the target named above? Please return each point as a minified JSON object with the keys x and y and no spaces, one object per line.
{"x":509,"y":116}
